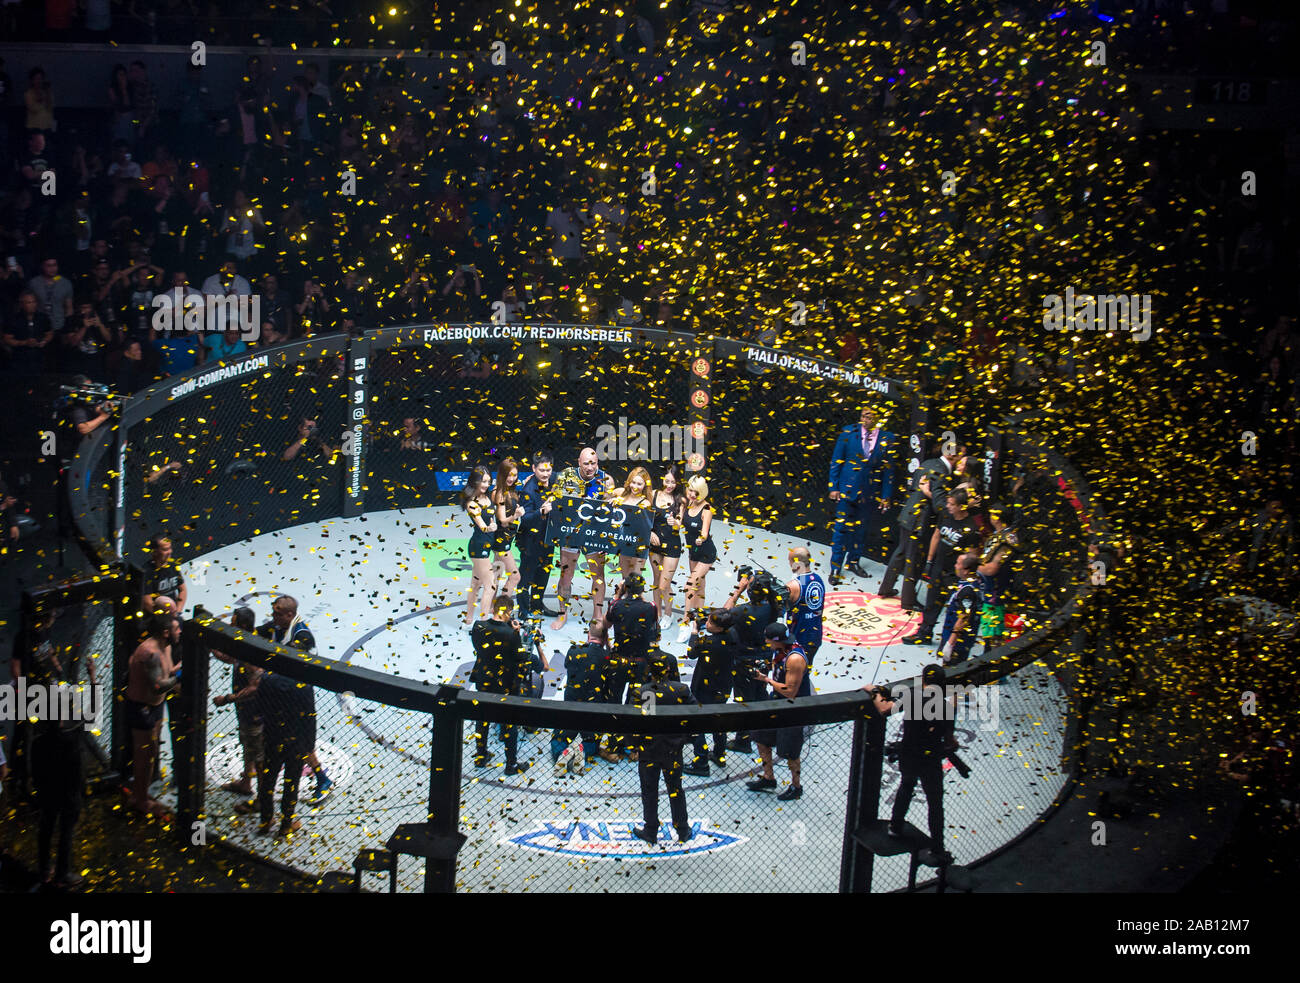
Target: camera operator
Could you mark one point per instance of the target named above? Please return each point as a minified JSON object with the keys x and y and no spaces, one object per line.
{"x":924,"y":745}
{"x":501,"y":665}
{"x":85,"y":413}
{"x":789,"y":680}
{"x":714,"y":651}
{"x":749,"y":622}
{"x":585,"y":667}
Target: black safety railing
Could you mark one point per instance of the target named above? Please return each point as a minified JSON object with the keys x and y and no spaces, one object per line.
{"x":413,"y":786}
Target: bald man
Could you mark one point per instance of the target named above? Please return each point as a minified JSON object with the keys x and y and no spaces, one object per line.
{"x":587,"y":480}
{"x":806,"y":595}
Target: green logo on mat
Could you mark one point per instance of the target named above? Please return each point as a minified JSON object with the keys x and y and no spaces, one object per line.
{"x":445,"y":557}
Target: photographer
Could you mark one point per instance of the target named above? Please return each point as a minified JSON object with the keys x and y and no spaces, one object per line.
{"x":714,"y":652}
{"x":585,"y":667}
{"x":501,"y":665}
{"x":924,"y":745}
{"x":635,"y":624}
{"x":307,"y":433}
{"x":749,"y":622}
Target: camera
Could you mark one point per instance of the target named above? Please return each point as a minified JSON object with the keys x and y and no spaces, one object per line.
{"x":742,"y":572}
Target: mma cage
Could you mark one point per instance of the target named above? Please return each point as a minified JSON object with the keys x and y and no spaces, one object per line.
{"x":752,"y":419}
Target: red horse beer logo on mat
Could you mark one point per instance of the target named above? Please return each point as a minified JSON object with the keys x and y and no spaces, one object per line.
{"x":853,"y":617}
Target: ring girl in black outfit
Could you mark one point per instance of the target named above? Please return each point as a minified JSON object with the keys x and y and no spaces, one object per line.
{"x":666,"y":540}
{"x":478,"y":505}
{"x":505,"y":499}
{"x":636,"y":492}
{"x":697,"y":521}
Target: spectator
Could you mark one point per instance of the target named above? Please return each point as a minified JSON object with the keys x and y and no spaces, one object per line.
{"x":227,"y":281}
{"x":39,"y":100}
{"x":35,"y":162}
{"x":312,"y":312}
{"x":27,"y":335}
{"x":462,"y":294}
{"x":54,"y":293}
{"x":123,"y":167}
{"x":82,"y":343}
{"x":121,"y":117}
{"x":567,"y":224}
{"x":277,"y":305}
{"x":225,"y":345}
{"x":134,"y":371}
{"x":241,"y":223}
{"x":144,"y":100}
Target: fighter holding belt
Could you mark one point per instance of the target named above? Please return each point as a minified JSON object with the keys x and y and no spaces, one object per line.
{"x":587,"y":480}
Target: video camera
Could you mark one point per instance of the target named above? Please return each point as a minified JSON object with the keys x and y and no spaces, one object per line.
{"x":88,"y":394}
{"x":894,"y":750}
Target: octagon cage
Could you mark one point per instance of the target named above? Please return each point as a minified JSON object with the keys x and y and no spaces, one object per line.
{"x":361,"y":525}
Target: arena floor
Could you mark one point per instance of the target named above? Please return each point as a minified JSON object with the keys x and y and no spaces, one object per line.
{"x":386,"y":591}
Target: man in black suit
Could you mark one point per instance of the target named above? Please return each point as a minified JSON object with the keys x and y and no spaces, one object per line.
{"x":916,"y":523}
{"x":501,"y":665}
{"x":861,"y":486}
{"x":635,"y":625}
{"x":535,"y":557}
{"x":714,"y":651}
{"x":662,"y":754}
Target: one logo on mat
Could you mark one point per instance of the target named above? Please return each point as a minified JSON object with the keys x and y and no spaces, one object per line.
{"x":615,"y":841}
{"x":856,"y":618}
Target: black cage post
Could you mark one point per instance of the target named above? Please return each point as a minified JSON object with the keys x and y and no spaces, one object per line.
{"x":444,"y":795}
{"x":189,"y":718}
{"x":857,"y":862}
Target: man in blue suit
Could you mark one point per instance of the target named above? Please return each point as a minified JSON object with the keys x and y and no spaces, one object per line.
{"x":862,"y":483}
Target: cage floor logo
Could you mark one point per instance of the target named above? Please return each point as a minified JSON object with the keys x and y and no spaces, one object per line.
{"x":856,"y":618}
{"x":616,"y":841}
